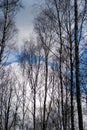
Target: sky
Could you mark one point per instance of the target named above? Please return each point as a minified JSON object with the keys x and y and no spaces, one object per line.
{"x":25,"y":19}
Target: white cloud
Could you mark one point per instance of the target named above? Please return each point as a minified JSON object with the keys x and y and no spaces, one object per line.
{"x":25,"y":18}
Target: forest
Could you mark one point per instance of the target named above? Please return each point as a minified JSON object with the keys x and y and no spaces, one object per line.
{"x":45,"y":86}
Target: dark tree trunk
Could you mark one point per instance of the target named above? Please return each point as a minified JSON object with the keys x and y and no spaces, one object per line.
{"x":35,"y":85}
{"x":72,"y":87}
{"x":45,"y":99}
{"x":78,"y":94}
{"x":34,"y":117}
{"x":4,"y":30}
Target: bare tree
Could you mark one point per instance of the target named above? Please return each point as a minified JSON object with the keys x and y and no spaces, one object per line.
{"x":78,"y":94}
{"x":9,"y":106}
{"x":45,"y":34}
{"x":8,"y":9}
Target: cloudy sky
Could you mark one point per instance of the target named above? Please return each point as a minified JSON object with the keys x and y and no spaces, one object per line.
{"x":25,"y":18}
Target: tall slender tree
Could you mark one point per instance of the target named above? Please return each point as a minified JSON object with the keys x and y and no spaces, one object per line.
{"x":8,"y":9}
{"x":78,"y":92}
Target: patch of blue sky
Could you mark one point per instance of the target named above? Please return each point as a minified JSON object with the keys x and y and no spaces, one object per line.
{"x":83,"y":71}
{"x":34,"y":59}
{"x":27,"y":57}
{"x":79,"y":34}
{"x":9,"y":58}
{"x":19,"y":57}
{"x":53,"y":65}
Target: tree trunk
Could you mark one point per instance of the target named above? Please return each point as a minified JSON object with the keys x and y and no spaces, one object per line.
{"x":45,"y":98}
{"x":72,"y":87}
{"x":4,"y":30}
{"x":78,"y":94}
